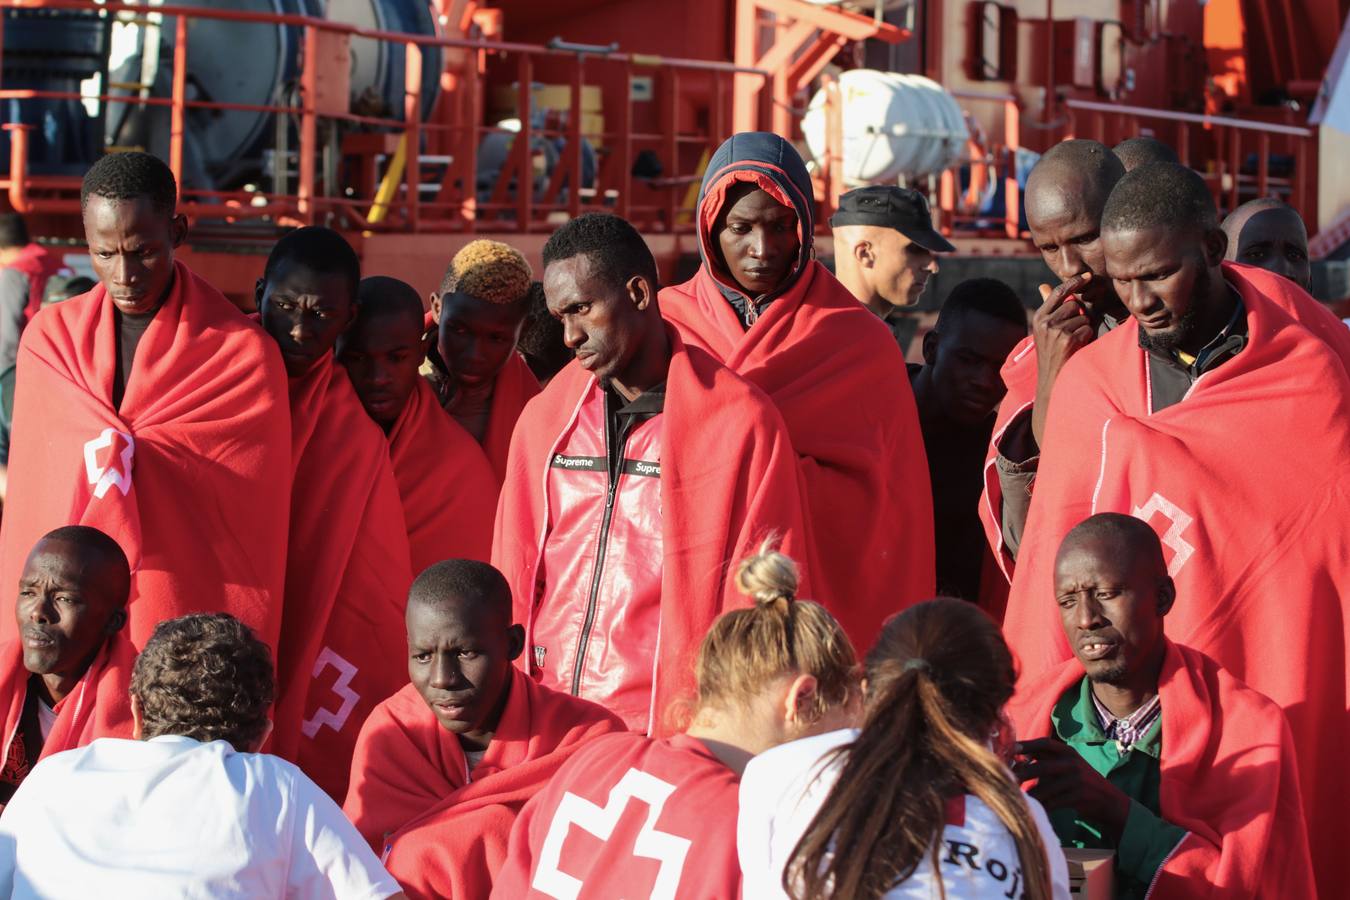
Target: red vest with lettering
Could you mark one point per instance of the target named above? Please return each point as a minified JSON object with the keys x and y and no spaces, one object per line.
{"x":594,"y":632}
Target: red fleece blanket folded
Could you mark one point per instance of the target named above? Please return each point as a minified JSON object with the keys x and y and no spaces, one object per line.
{"x":728,"y":480}
{"x":191,"y":475}
{"x":343,"y":646}
{"x":629,"y":817}
{"x":446,"y":835}
{"x":1247,"y":483}
{"x":838,"y":379}
{"x":98,"y":707}
{"x":449,"y":490}
{"x":1229,"y":777}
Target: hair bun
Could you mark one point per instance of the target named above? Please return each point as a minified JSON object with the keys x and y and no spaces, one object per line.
{"x":768,"y":576}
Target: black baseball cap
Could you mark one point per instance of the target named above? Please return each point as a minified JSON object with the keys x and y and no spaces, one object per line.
{"x":891,"y":206}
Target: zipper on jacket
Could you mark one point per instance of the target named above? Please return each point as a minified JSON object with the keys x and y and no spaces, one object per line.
{"x":612,"y":473}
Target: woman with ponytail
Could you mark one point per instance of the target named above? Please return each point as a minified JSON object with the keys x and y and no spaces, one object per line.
{"x":917,"y":803}
{"x":633,"y":816}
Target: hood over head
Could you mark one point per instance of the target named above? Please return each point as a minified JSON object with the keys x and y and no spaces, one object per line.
{"x":775,"y":166}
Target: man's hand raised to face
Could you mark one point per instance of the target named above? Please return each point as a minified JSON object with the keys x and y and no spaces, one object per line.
{"x":1060,"y":328}
{"x":1065,"y":780}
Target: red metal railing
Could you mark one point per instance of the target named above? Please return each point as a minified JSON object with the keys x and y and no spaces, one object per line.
{"x":452,"y":133}
{"x":991,"y":161}
{"x":1216,"y":146}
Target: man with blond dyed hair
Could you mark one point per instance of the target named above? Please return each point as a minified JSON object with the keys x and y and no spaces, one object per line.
{"x":478,"y":312}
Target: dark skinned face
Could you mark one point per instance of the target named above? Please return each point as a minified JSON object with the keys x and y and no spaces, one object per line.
{"x":69,"y":604}
{"x":1166,"y":278}
{"x":966,"y":357}
{"x":1277,"y":241}
{"x":304,"y":311}
{"x":382,"y":353}
{"x":459,"y":658}
{"x":756,"y":238}
{"x":1111,"y":602}
{"x":1064,"y":218}
{"x":604,"y":325}
{"x":131,"y":249}
{"x":476,"y":338}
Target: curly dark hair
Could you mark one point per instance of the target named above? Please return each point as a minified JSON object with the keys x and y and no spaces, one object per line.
{"x":13,"y":231}
{"x":541,"y":340}
{"x":1160,"y":195}
{"x":126,"y":176}
{"x":615,"y":248}
{"x":318,"y":248}
{"x":207,"y":677}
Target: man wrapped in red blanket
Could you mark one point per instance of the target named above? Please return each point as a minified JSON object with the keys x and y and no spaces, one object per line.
{"x":152,"y":409}
{"x":1186,"y":417}
{"x":764,"y":308}
{"x":347,"y":566}
{"x":477,"y":314}
{"x":1151,"y":749}
{"x":449,"y":490}
{"x":639,"y":474}
{"x":443,"y":767}
{"x":64,"y":682}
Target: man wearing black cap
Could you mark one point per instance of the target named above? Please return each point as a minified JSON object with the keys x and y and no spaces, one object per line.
{"x":885,"y":247}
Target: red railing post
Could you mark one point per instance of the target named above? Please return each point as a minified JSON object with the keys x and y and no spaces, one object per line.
{"x":1263,"y":165}
{"x":178,"y":112}
{"x":1301,"y":179}
{"x":1235,"y":162}
{"x":309,"y":84}
{"x":574,"y":140}
{"x":1012,"y":130}
{"x":623,"y":172}
{"x":672,"y":108}
{"x":18,"y":166}
{"x":525,"y":139}
{"x":469,"y":179}
{"x":412,"y":131}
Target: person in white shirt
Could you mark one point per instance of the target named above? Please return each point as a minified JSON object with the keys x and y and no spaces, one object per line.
{"x":924,"y":804}
{"x":189,"y":809}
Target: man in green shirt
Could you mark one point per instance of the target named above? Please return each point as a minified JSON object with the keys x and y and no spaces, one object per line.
{"x":1098,"y":776}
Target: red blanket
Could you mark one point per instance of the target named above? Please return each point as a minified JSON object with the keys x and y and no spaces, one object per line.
{"x":409,"y":780}
{"x":449,"y":490}
{"x":1020,"y":373}
{"x":515,"y":387}
{"x":1228,"y":777}
{"x":839,"y":380}
{"x":39,"y":264}
{"x":727,"y":481}
{"x":629,"y":817}
{"x":98,"y":707}
{"x":191,"y":475}
{"x":1250,"y":530}
{"x":343,"y":647}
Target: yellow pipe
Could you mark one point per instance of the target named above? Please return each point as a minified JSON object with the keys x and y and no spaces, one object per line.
{"x":390,"y":183}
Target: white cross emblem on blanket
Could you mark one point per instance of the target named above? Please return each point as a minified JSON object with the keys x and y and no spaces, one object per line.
{"x":117,"y":471}
{"x":1179,"y":520}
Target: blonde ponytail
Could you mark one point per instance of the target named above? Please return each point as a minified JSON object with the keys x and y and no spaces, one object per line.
{"x":779,"y":635}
